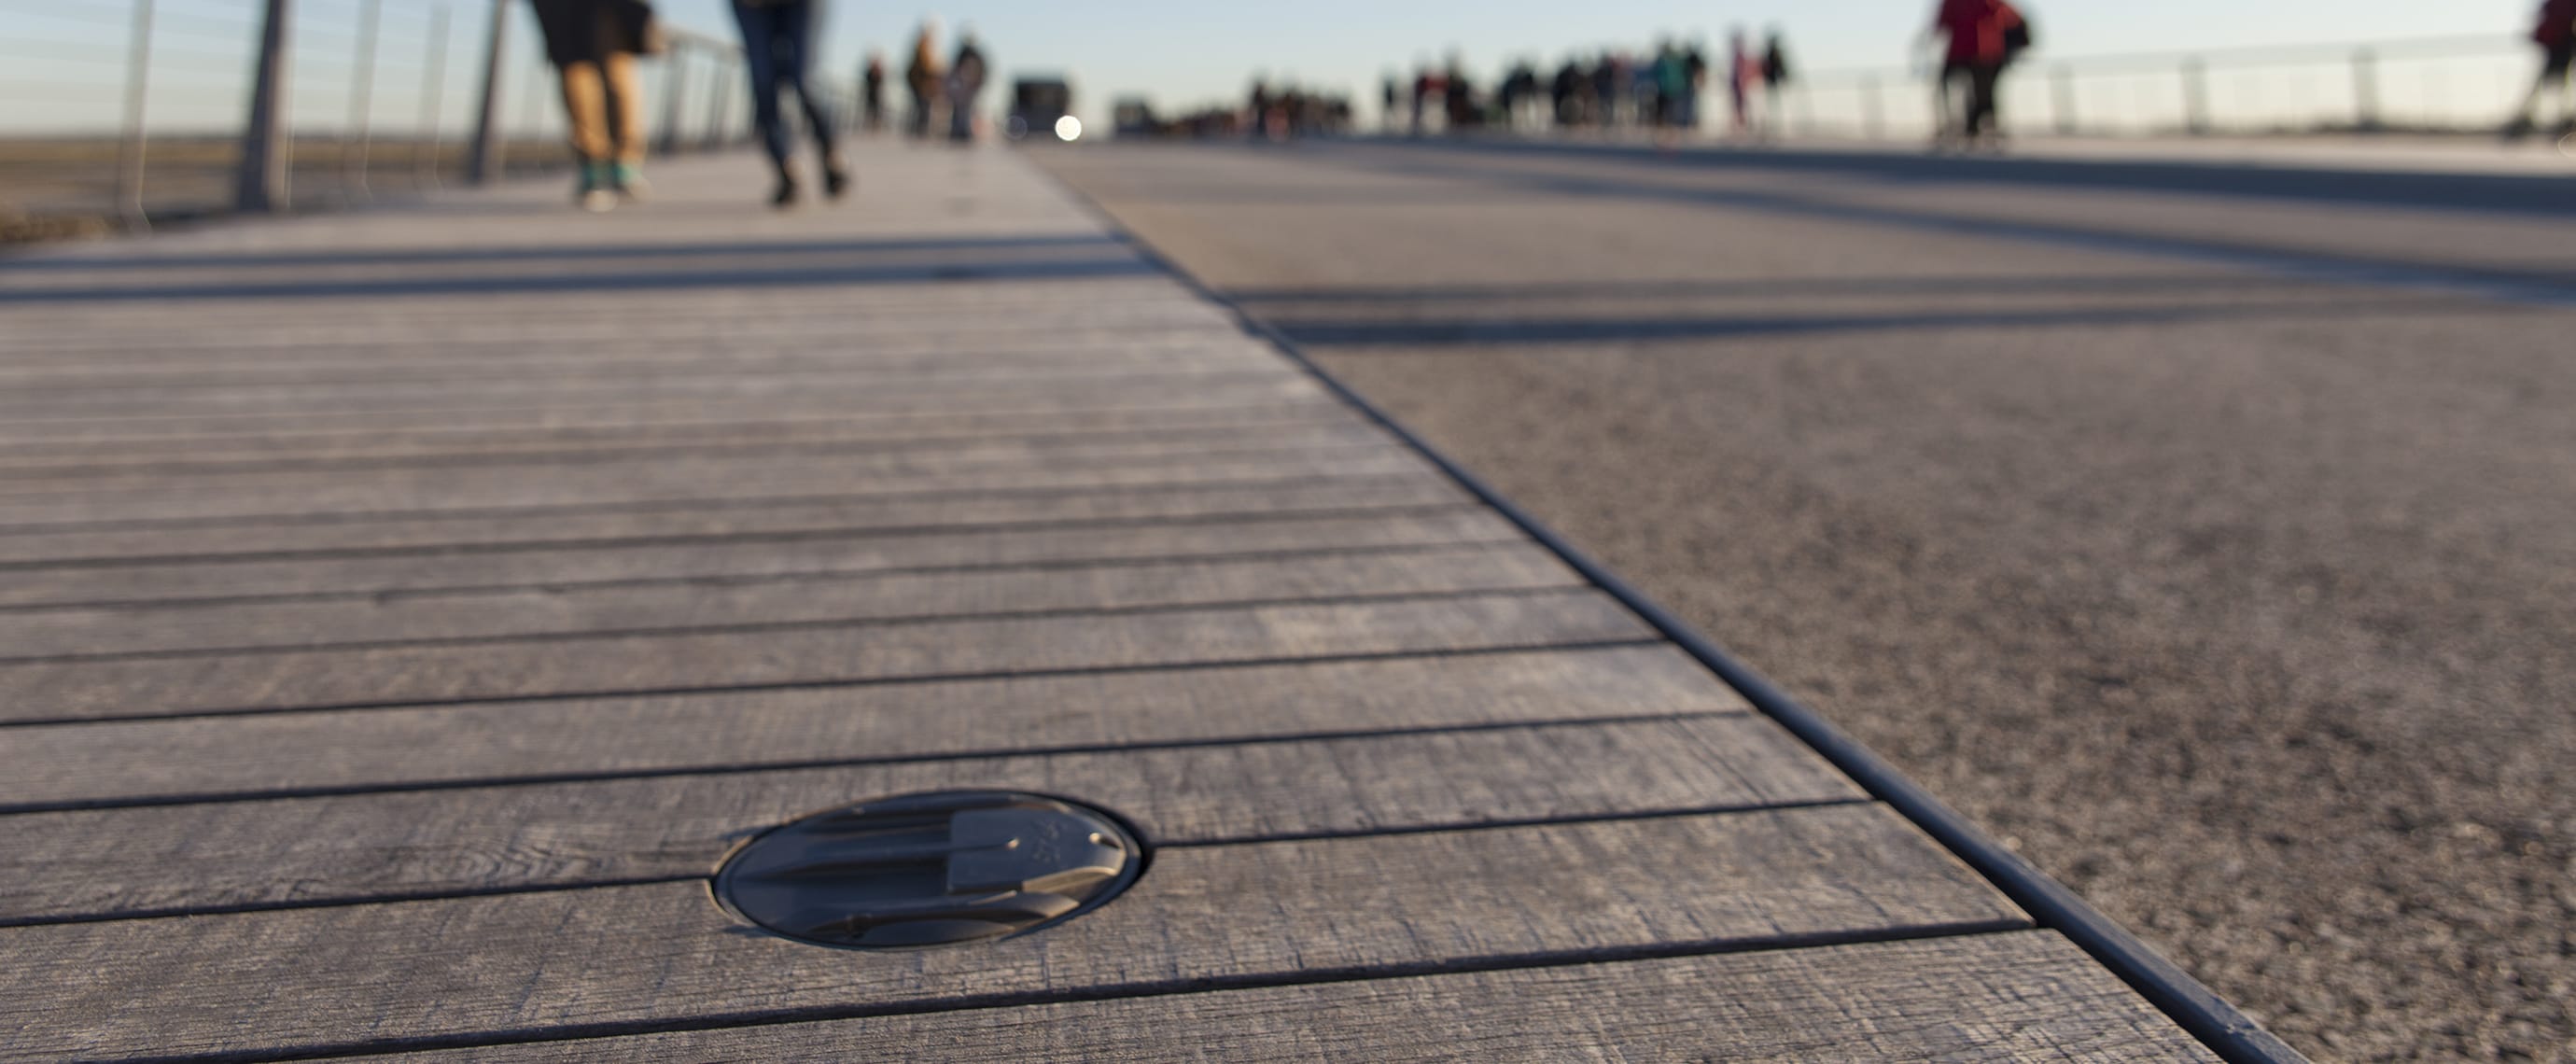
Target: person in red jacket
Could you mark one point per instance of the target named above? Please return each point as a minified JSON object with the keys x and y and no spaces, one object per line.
{"x":2556,"y":36}
{"x":1981,"y":38}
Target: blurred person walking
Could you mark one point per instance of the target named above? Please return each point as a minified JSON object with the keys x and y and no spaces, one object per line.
{"x":1775,"y":83}
{"x":966,"y":75}
{"x":923,"y":77}
{"x":593,"y":45}
{"x":2556,"y":36}
{"x":779,"y":39}
{"x":1743,"y":72}
{"x":872,"y":93}
{"x":1982,"y":36}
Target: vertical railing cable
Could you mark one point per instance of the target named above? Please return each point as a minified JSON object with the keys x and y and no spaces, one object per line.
{"x":359,"y":132}
{"x":130,"y":152}
{"x":433,"y":79}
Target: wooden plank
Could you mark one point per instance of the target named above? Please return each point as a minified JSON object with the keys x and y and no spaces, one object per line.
{"x":399,"y":396}
{"x":1249,"y":431}
{"x":665,"y":365}
{"x":157,"y":760}
{"x":740,"y":520}
{"x":999,"y":399}
{"x":314,"y":851}
{"x":582,"y":473}
{"x":419,"y":356}
{"x":281,"y":576}
{"x":98,"y":336}
{"x":363,"y":976}
{"x":783,"y":655}
{"x":664,"y":606}
{"x":2015,"y":995}
{"x":159,"y":453}
{"x":704,"y":482}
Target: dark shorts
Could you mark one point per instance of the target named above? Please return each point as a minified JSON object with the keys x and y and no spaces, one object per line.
{"x":588,"y":31}
{"x":2558,"y":57}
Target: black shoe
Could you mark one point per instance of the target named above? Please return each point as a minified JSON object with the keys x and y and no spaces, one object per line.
{"x":785,"y":197}
{"x":836,"y":182}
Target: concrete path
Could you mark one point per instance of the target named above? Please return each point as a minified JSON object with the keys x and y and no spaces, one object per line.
{"x":2210,"y":533}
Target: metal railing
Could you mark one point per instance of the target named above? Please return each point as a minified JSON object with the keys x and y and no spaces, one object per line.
{"x":119,"y":112}
{"x":2445,"y":84}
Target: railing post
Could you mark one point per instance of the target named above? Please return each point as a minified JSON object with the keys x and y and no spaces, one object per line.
{"x":2365,"y":90}
{"x":675,"y":81}
{"x":362,"y":86}
{"x":2195,"y":96}
{"x":129,"y":165}
{"x":433,"y":85}
{"x":2061,"y":99}
{"x":262,"y":185}
{"x":483,"y":165}
{"x":1873,"y":119}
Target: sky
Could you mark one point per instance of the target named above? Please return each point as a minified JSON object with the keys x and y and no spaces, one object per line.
{"x":63,"y":58}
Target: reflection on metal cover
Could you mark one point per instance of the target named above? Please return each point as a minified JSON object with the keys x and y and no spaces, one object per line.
{"x":930,"y":870}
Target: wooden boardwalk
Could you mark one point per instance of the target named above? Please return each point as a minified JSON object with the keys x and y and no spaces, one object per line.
{"x":402,"y":613}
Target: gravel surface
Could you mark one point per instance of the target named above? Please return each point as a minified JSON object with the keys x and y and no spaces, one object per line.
{"x":2217,"y":551}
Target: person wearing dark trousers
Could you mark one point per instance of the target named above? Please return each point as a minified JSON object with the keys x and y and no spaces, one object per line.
{"x":1982,"y":38}
{"x":2557,"y":39}
{"x":779,"y":38}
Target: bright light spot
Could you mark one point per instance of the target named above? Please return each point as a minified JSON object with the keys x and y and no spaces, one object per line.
{"x":1068,"y":129}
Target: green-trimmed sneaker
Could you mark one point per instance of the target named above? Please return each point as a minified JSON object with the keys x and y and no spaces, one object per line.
{"x":628,"y":180}
{"x":597,"y":191}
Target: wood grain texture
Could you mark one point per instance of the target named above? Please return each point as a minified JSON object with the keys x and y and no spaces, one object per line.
{"x":114,"y":761}
{"x":1000,"y":398}
{"x":711,"y":475}
{"x":268,"y":681}
{"x":368,"y":974}
{"x":706,"y":561}
{"x":319,"y":850}
{"x":178,"y":453}
{"x":741,"y":519}
{"x":1252,"y":572}
{"x":2016,"y":995}
{"x":709,"y":484}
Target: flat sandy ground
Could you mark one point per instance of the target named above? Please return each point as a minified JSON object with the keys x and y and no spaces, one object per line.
{"x":2215,"y":545}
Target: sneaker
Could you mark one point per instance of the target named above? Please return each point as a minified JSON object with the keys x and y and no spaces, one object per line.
{"x":596,"y":191}
{"x":628,"y":180}
{"x":836,"y":179}
{"x":785,"y":196}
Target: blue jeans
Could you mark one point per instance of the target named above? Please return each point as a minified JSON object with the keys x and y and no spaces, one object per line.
{"x":777,"y":47}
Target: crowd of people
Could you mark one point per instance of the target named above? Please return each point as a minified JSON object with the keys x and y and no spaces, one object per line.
{"x":944,"y":97}
{"x":1662,"y":88}
{"x":1659,"y":88}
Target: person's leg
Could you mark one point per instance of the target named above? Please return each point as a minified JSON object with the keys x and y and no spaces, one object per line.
{"x":625,"y":120}
{"x":759,"y":60}
{"x":796,"y":44}
{"x":625,"y":85}
{"x":585,"y":118}
{"x":1983,"y":118}
{"x":586,"y":122}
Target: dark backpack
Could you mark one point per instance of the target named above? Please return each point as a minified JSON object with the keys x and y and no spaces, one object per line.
{"x":2017,"y":37}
